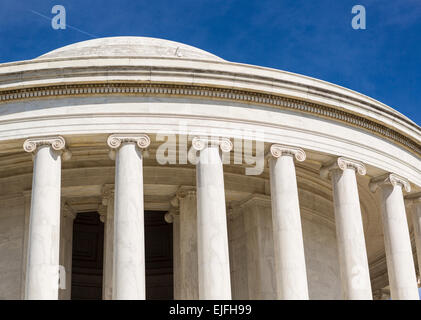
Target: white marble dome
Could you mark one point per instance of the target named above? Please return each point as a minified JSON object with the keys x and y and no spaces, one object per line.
{"x":130,"y":47}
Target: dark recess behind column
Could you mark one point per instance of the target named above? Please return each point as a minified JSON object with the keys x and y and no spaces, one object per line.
{"x":88,"y":243}
{"x":87,"y":257}
{"x":159,"y":256}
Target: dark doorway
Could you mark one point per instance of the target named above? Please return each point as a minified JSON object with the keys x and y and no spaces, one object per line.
{"x":87,"y":257}
{"x":159,"y":256}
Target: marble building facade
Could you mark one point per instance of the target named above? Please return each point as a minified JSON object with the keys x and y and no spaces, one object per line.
{"x":87,"y":212}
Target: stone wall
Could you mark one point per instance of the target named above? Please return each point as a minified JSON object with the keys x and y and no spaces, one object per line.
{"x":12,"y":221}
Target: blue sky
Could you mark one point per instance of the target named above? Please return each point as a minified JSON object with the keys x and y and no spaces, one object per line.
{"x":313,"y":38}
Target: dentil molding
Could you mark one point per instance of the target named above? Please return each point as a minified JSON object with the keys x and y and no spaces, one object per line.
{"x":213,"y":93}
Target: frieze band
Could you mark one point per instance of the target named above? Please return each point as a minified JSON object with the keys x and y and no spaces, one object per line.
{"x":221,"y":93}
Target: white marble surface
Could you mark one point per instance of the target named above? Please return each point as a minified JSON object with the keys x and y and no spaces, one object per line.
{"x":322,"y":262}
{"x":11,"y":248}
{"x":214,"y":270}
{"x":252,"y":254}
{"x":129,"y":47}
{"x":416,"y":222}
{"x":129,"y":243}
{"x":290,"y":267}
{"x":188,"y":246}
{"x":44,"y":227}
{"x":259,"y":253}
{"x":66,"y":248}
{"x":107,"y":284}
{"x":176,"y":257}
{"x":400,"y":262}
{"x":350,"y":236}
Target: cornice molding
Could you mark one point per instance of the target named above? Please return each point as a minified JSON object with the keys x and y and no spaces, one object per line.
{"x":253,"y":199}
{"x":412,"y":199}
{"x":107,"y":194}
{"x":184,"y":192}
{"x":157,"y":89}
{"x":69,"y":212}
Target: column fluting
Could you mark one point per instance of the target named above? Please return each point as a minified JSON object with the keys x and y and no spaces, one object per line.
{"x":414,"y":201}
{"x":66,"y":248}
{"x":290,"y":266}
{"x":42,"y":276}
{"x":106,"y":212}
{"x":212,"y":234}
{"x":400,"y":262}
{"x":129,"y":242}
{"x":353,"y":263}
{"x":188,"y":245}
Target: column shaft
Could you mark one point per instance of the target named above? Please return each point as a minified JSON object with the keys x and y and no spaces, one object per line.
{"x":44,"y":233}
{"x":129,"y":243}
{"x":400,"y":262}
{"x":352,"y":253}
{"x":251,"y":231}
{"x":188,"y":247}
{"x":108,"y":245}
{"x":176,"y":257}
{"x":66,"y":249}
{"x":214,"y":270}
{"x":416,"y":220}
{"x":291,"y":275}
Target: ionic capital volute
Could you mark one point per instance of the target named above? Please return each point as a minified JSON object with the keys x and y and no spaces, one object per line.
{"x":69,"y":212}
{"x":102,"y":211}
{"x":200,"y":143}
{"x":343,"y":163}
{"x":57,"y":143}
{"x":114,"y":141}
{"x":171,"y":215}
{"x":389,"y":179}
{"x":107,"y":193}
{"x":279,"y":150}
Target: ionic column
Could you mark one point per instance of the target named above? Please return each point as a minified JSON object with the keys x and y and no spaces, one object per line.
{"x":106,"y":212}
{"x":414,"y":201}
{"x":66,"y":249}
{"x":44,"y":228}
{"x":188,"y":245}
{"x":352,"y":252}
{"x":251,"y":237}
{"x":400,"y":263}
{"x":129,"y":242}
{"x":212,"y":236}
{"x":173,"y":216}
{"x":290,"y":266}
